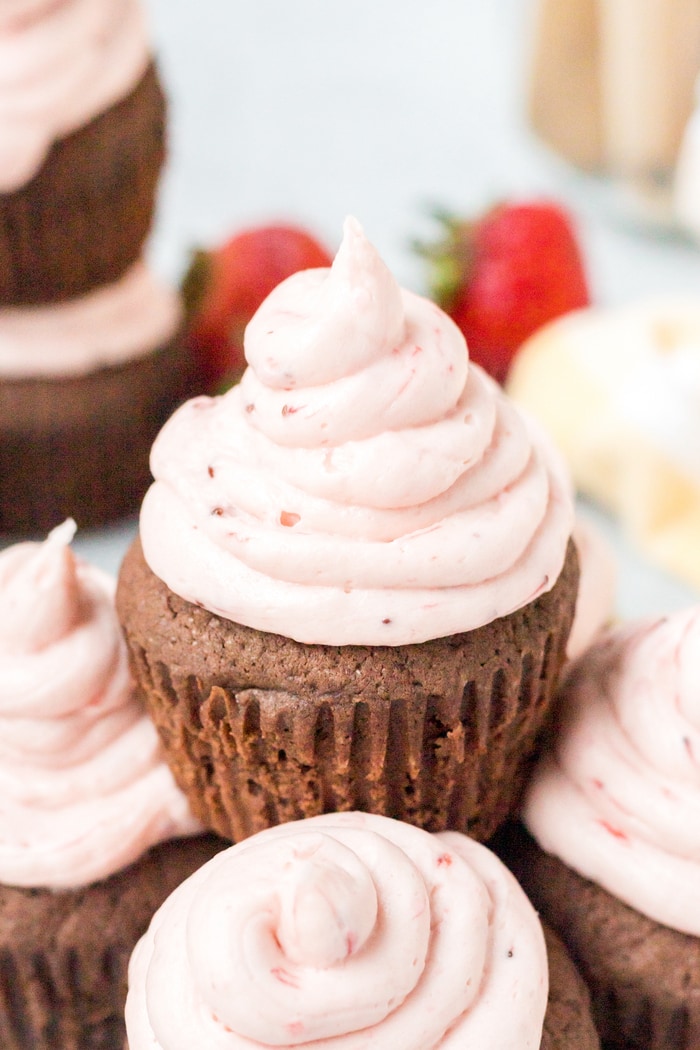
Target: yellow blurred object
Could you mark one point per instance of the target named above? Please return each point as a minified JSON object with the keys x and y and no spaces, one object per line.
{"x":619,"y":391}
{"x":564,"y":88}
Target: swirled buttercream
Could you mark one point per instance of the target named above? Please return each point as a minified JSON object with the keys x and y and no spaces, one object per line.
{"x":344,"y":931}
{"x":62,"y":62}
{"x":618,"y":797}
{"x":83,"y":786}
{"x":364,"y":484}
{"x":109,"y":326}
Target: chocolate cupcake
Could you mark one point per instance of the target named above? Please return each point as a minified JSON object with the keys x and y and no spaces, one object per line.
{"x":94,"y":831}
{"x":354,"y":581}
{"x":84,"y":388}
{"x":611,"y":860}
{"x":643,"y":976}
{"x":353,"y":930}
{"x":64,"y":955}
{"x":82,"y":138}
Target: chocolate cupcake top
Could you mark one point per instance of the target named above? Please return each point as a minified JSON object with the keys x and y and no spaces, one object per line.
{"x":364,"y":484}
{"x":84,"y":789}
{"x":62,"y":62}
{"x":617,"y":797}
{"x":344,"y":931}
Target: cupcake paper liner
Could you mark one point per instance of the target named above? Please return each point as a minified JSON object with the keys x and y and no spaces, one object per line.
{"x":568,"y":1022}
{"x":259,"y":729}
{"x":82,"y":220}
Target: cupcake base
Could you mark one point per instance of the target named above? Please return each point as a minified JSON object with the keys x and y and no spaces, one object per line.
{"x":78,"y":446}
{"x":568,"y":1023}
{"x":644,"y":978}
{"x":82,"y":220}
{"x":259,"y":729}
{"x":64,"y":954}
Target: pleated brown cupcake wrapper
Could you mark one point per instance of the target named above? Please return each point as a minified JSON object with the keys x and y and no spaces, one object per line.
{"x":73,"y":1001}
{"x":250,"y":758}
{"x":64,"y":954}
{"x":627,"y":1021}
{"x":568,"y":1022}
{"x":82,"y":220}
{"x":80,"y":446}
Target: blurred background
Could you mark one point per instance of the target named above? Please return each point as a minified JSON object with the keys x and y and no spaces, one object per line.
{"x":312,"y":110}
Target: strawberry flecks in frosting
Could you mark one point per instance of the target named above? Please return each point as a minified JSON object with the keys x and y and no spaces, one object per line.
{"x":345,"y":931}
{"x":83,"y":787}
{"x":615,"y":832}
{"x":109,"y":326}
{"x":364,"y":484}
{"x":61,"y":64}
{"x":618,"y":797}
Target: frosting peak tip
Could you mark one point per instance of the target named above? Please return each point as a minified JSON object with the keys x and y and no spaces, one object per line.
{"x":352,"y":227}
{"x":40,"y":590}
{"x":328,"y":905}
{"x":359,"y":256}
{"x":64,"y":533}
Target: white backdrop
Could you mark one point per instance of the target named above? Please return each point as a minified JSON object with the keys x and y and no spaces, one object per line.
{"x":310,"y":109}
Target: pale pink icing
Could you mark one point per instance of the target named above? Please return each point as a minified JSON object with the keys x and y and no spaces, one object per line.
{"x":348,"y":931}
{"x":618,"y":797}
{"x":83,"y":785}
{"x":61,"y":64}
{"x":364,"y":484}
{"x":109,"y":326}
{"x":595,"y":601}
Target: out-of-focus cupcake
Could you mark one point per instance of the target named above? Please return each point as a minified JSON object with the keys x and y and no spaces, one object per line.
{"x":92,"y":361}
{"x":353,"y":930}
{"x":354,"y":580}
{"x":612,"y":809}
{"x":82,"y":139}
{"x":94,"y":831}
{"x":618,"y":390}
{"x":85,"y":386}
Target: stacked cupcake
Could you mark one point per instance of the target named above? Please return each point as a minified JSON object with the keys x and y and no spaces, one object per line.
{"x":90,"y":359}
{"x":354,"y":580}
{"x":347,"y":931}
{"x":94,"y":832}
{"x":347,"y":610}
{"x":612,"y":856}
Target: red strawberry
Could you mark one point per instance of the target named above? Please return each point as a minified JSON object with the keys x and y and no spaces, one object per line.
{"x":225,"y":285}
{"x":505,"y":274}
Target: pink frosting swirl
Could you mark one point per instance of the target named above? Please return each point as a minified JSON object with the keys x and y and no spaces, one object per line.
{"x":83,"y":785}
{"x":62,"y":62}
{"x":348,"y":931}
{"x":113,"y":324}
{"x":364,"y":484}
{"x":618,"y":798}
